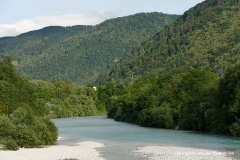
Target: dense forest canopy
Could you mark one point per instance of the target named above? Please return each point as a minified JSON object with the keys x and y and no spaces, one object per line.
{"x":206,"y":37}
{"x":194,"y":100}
{"x":80,"y":53}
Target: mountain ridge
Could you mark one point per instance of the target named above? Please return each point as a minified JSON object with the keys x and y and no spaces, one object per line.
{"x":205,"y":37}
{"x":80,"y":53}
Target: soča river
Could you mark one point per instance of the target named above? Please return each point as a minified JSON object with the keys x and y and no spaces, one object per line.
{"x":122,"y":138}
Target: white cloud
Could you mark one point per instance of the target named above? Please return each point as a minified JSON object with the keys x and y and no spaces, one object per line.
{"x":69,"y":19}
{"x":17,"y":28}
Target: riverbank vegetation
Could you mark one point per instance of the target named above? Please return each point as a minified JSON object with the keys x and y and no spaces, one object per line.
{"x":27,"y":105}
{"x":194,"y":100}
{"x":20,"y":123}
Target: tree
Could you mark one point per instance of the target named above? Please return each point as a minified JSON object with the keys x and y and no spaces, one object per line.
{"x":229,"y":96}
{"x":196,"y":94}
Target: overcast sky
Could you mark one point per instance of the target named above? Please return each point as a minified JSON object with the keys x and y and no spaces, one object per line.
{"x":18,"y":16}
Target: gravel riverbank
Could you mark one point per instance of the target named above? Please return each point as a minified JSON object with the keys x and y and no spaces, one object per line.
{"x":82,"y":151}
{"x":181,"y":153}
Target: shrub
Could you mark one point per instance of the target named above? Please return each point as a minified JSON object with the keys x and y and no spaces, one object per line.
{"x":10,"y":144}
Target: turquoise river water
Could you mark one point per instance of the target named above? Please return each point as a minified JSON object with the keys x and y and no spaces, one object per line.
{"x":122,"y":138}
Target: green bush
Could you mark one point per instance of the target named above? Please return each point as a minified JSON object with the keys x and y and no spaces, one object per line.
{"x":7,"y":128}
{"x":235,"y":129}
{"x":26,"y":137}
{"x":10,"y":145}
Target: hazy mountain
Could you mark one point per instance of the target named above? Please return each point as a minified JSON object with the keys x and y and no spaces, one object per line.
{"x":80,"y":53}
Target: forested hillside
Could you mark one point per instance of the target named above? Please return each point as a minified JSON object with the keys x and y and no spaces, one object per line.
{"x":206,"y":37}
{"x":27,"y":105}
{"x":80,"y":53}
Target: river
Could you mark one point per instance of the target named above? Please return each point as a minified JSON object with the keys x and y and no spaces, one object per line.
{"x":121,"y":139}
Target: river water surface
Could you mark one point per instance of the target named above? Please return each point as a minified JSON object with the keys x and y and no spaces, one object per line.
{"x":122,"y":138}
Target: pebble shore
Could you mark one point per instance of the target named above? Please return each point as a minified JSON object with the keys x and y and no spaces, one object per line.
{"x":88,"y":151}
{"x":82,"y":151}
{"x":180,"y":153}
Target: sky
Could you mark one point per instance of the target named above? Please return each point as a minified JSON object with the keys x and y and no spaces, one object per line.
{"x":19,"y":16}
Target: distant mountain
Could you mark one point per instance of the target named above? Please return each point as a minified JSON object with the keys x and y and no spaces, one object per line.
{"x":206,"y":37}
{"x":80,"y":53}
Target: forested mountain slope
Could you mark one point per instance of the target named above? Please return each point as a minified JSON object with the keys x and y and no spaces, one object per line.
{"x":206,"y":37}
{"x":80,"y":53}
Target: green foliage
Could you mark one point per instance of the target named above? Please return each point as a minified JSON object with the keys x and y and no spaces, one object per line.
{"x":9,"y":145}
{"x":229,"y":96}
{"x":80,"y":53}
{"x":196,"y":93}
{"x":26,"y":107}
{"x":25,"y":136}
{"x":22,"y":116}
{"x":161,"y":116}
{"x":18,"y":118}
{"x":194,"y":100}
{"x":64,"y":99}
{"x":235,"y":128}
{"x":185,"y":100}
{"x":205,"y":37}
{"x":7,"y":128}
